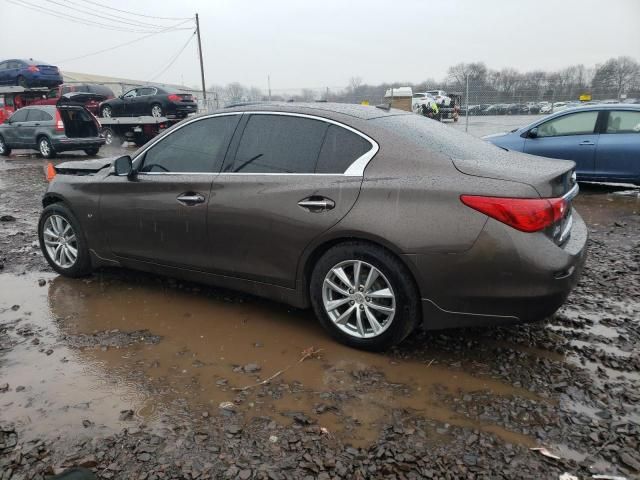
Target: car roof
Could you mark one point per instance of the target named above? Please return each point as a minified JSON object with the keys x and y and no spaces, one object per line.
{"x":603,"y":106}
{"x":362,"y":112}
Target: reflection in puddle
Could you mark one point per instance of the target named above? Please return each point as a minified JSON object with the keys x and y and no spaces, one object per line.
{"x":87,"y":366}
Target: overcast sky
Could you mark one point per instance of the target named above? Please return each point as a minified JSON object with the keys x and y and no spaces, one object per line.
{"x":320,"y":43}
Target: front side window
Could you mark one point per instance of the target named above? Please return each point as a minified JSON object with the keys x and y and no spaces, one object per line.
{"x":131,"y":93}
{"x":279,"y":144}
{"x":623,"y":122}
{"x":340,"y":149}
{"x":198,"y":147}
{"x":581,"y":123}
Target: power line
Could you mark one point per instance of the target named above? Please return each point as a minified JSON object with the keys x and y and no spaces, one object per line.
{"x":117,"y":20}
{"x":175,"y":57}
{"x":72,"y":18}
{"x":132,"y":13}
{"x":145,"y":24}
{"x":170,"y":29}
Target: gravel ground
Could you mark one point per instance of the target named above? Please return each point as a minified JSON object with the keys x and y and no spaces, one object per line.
{"x":570,"y":384}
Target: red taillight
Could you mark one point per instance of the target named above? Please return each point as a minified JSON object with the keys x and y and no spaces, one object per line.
{"x":524,"y":214}
{"x":174,"y":98}
{"x":59,"y":122}
{"x":33,"y":68}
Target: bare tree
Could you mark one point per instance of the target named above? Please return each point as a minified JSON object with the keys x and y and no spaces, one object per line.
{"x":234,"y":93}
{"x":618,"y":74}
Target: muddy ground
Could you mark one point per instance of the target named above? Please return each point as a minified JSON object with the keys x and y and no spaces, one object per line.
{"x":141,"y":377}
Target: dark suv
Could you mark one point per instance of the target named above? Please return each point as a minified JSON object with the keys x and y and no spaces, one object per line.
{"x":51,"y":129}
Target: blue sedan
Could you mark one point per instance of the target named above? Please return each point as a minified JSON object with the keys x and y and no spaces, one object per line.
{"x":29,"y":73}
{"x":603,"y":140}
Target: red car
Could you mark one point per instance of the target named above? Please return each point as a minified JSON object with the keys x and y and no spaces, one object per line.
{"x":54,"y":95}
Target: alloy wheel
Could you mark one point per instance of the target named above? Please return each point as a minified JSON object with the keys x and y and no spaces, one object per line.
{"x":3,"y":146}
{"x":60,"y":241}
{"x":358,"y":299}
{"x":106,"y":112}
{"x":156,"y":111}
{"x":45,"y":149}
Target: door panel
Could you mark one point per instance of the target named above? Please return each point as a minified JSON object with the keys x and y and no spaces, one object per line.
{"x":258,"y":231}
{"x":618,"y":151}
{"x":144,"y":219}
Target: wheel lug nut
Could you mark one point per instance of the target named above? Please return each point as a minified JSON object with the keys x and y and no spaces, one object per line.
{"x":368,"y":299}
{"x":351,"y":290}
{"x":352,"y":302}
{"x":361,"y":307}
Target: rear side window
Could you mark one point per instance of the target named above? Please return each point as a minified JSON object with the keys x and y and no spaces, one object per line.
{"x":198,"y":147}
{"x":37,"y":115}
{"x":623,"y":122}
{"x":340,"y":149}
{"x":279,"y":144}
{"x":582,"y":123}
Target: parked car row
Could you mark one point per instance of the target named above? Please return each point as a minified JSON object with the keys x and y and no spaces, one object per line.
{"x":533,"y":108}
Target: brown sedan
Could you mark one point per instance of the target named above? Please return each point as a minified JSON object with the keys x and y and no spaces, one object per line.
{"x":380,"y":220}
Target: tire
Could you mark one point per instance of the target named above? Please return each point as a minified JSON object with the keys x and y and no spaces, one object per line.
{"x":111,"y":137}
{"x":5,"y":151}
{"x":140,"y":140}
{"x":156,"y":110}
{"x":92,"y":151}
{"x":81,"y":265}
{"x":45,"y":148}
{"x":106,"y":112}
{"x":22,"y":82}
{"x":394,"y":276}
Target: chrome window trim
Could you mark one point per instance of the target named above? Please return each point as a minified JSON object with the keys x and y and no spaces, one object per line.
{"x":356,"y":169}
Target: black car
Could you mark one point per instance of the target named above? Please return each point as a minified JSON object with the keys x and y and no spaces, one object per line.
{"x":150,"y":100}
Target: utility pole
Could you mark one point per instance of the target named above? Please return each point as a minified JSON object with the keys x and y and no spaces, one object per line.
{"x":269,"y":85}
{"x":204,"y":89}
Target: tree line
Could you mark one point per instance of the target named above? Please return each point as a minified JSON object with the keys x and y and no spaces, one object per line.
{"x":616,"y":78}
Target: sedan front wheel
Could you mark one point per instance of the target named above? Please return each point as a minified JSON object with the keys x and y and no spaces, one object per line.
{"x":364,"y":296}
{"x":62,"y":241}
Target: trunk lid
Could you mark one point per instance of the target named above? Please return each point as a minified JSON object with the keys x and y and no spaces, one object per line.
{"x":48,"y":69}
{"x":550,"y":178}
{"x":79,"y":98}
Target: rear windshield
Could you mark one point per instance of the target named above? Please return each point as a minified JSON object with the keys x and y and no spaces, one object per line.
{"x":100,"y":90}
{"x":434,"y":135}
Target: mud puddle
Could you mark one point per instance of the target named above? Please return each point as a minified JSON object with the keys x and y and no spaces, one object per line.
{"x":91,"y":356}
{"x":601,"y":204}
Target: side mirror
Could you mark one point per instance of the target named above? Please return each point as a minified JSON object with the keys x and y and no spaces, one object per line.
{"x":123,"y":166}
{"x":533,"y":133}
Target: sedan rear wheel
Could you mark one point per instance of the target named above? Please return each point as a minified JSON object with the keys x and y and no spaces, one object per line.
{"x":364,"y":296}
{"x":22,"y":82}
{"x":156,"y":111}
{"x":62,"y":241}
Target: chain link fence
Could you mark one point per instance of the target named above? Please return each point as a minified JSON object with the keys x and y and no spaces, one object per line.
{"x":474,"y":106}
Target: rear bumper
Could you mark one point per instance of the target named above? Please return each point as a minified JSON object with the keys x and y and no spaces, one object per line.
{"x":507,"y":277}
{"x":182,"y":110}
{"x":66,"y":144}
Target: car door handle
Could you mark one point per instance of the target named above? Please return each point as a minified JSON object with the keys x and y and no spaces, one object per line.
{"x":191,"y":198}
{"x":586,"y":142}
{"x":317,"y":204}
